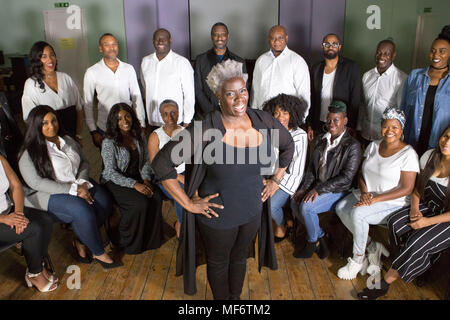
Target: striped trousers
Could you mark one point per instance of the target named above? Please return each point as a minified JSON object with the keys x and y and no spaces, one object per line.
{"x":422,"y":246}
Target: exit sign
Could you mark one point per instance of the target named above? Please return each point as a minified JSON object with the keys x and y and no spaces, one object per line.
{"x":61,"y":4}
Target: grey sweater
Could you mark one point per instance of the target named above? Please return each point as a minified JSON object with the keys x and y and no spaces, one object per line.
{"x":43,"y":188}
{"x":116,"y":160}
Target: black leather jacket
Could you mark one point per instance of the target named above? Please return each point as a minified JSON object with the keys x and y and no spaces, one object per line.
{"x":342,"y":165}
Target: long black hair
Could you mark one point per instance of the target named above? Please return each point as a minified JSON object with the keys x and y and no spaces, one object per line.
{"x":431,"y":166}
{"x":295,"y":106}
{"x":112,"y":127}
{"x":36,"y":64}
{"x":35,"y":142}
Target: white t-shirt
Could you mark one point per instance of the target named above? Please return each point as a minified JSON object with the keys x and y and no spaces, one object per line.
{"x":383,"y":174}
{"x":5,"y":204}
{"x":423,"y":162}
{"x":326,"y":94}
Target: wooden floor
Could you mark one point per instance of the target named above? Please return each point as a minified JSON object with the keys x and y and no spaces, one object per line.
{"x":151,"y":275}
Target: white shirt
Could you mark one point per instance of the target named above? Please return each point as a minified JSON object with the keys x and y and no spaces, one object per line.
{"x":331,"y":145}
{"x":380,"y":92}
{"x":112,"y":87}
{"x":68,"y":95}
{"x":383,"y":174}
{"x":5,"y":204}
{"x":423,"y":163}
{"x":288,"y":73}
{"x":290,"y":181}
{"x":65,"y":164}
{"x":171,"y":78}
{"x":164,"y":138}
{"x":326,"y":94}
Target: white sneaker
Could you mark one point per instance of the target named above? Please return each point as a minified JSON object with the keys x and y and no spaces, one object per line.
{"x":375,"y":258}
{"x":350,"y":271}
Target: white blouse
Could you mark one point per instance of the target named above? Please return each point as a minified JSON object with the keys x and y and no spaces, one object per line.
{"x":65,"y":164}
{"x":5,"y":204}
{"x":68,"y":95}
{"x":382,"y":174}
{"x":423,"y":163}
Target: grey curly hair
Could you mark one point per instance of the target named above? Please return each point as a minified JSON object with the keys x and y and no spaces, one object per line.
{"x":223,"y":71}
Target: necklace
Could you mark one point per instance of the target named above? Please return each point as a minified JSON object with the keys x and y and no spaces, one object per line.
{"x":439,"y":68}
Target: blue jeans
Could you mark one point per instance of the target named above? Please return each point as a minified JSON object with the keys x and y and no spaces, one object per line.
{"x":178,"y":207}
{"x":307,"y":212}
{"x":85,"y":218}
{"x":277,"y":202}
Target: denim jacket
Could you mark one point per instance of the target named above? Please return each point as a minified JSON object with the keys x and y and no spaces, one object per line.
{"x":413,"y":101}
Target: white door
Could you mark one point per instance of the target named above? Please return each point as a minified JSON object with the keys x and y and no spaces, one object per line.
{"x":65,"y":30}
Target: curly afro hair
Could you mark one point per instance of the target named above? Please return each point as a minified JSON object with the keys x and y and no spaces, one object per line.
{"x":295,"y":106}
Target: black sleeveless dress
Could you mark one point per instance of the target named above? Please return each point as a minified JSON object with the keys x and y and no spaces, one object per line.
{"x":236,"y":176}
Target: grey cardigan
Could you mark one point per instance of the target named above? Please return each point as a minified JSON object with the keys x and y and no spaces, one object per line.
{"x":116,"y":160}
{"x":43,"y":188}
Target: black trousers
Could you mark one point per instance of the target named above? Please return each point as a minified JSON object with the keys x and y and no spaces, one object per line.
{"x":140,"y":226}
{"x":226,"y":254}
{"x":35,"y":238}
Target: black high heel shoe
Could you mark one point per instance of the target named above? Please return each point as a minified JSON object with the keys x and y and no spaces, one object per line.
{"x":108,"y":266}
{"x":86,"y":260}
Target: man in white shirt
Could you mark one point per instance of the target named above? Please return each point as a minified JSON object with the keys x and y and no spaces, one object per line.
{"x":167,"y":75}
{"x":382,"y":87}
{"x":280,"y":70}
{"x":114,"y":81}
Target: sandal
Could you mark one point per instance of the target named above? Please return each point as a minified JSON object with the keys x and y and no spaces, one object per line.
{"x":50,"y":286}
{"x":51,"y":277}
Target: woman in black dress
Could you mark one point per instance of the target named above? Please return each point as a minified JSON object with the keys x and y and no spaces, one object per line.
{"x":127,"y":175}
{"x":226,"y":197}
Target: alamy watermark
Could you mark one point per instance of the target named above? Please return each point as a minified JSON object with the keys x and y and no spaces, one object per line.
{"x":206,"y":147}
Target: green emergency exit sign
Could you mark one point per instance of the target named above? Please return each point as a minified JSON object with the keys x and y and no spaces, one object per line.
{"x":61,"y":4}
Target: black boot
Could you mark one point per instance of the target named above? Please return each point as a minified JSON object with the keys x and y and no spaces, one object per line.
{"x":372,"y":294}
{"x":322,"y":250}
{"x":307,"y":251}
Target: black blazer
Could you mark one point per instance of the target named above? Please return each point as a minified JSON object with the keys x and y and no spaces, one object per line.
{"x":346,"y":87}
{"x":190,"y":251}
{"x":205,"y":99}
{"x":342,"y":165}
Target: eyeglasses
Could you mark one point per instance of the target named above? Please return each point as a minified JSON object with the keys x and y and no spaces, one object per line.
{"x":334,"y":44}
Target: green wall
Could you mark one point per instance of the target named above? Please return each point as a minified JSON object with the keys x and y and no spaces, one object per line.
{"x":398,"y":20}
{"x":22,"y":23}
